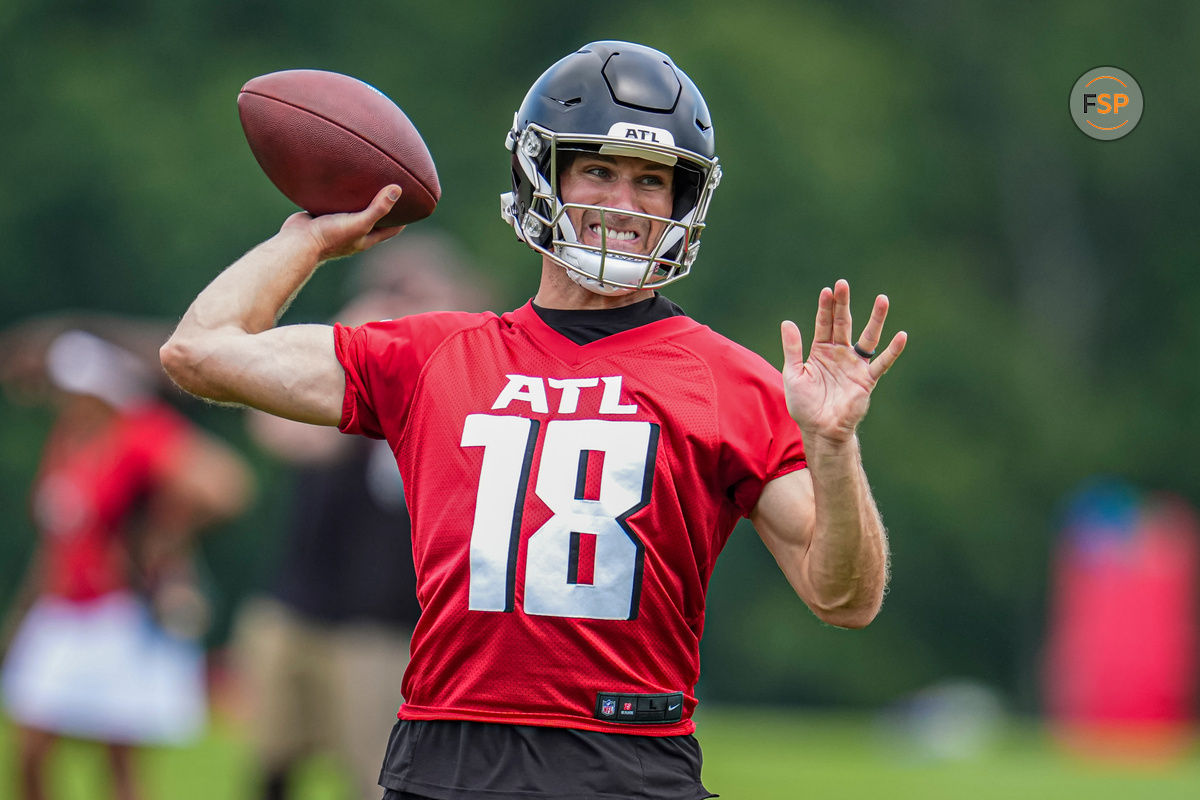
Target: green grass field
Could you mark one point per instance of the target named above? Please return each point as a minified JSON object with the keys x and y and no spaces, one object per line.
{"x":777,"y":755}
{"x":748,"y":754}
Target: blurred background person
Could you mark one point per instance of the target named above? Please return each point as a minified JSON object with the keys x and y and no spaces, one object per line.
{"x":321,"y":654}
{"x":1120,"y":672}
{"x":105,"y":637}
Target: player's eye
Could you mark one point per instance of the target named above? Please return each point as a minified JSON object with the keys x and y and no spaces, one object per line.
{"x":656,"y":181}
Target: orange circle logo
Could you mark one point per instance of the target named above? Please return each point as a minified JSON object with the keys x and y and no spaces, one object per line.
{"x":1106,"y":103}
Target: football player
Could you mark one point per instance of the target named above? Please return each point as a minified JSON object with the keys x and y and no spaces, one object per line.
{"x":574,"y":467}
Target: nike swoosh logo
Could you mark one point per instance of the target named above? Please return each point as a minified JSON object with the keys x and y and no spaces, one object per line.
{"x":672,"y":708}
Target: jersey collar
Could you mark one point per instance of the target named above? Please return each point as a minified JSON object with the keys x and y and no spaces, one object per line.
{"x":574,"y":354}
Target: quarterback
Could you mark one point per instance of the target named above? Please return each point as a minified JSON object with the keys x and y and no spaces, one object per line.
{"x":574,"y":467}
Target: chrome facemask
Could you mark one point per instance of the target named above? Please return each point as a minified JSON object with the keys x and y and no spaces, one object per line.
{"x":597,"y":267}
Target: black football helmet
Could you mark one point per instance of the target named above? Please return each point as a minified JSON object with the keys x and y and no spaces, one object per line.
{"x":621,"y":99}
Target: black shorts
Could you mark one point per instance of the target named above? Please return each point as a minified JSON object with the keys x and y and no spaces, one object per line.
{"x":448,"y":760}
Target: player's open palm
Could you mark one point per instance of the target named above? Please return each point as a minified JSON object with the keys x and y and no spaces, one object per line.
{"x":829,"y":393}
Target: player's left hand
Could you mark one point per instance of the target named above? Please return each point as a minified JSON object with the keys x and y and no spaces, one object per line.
{"x":828,"y":395}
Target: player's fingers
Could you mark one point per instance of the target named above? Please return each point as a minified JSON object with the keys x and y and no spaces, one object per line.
{"x":883,"y":362}
{"x":823,"y":330}
{"x":842,"y":323}
{"x":376,"y":210}
{"x":793,"y":345}
{"x":372,"y":214}
{"x":873,"y":333}
{"x":383,"y":202}
{"x":381,"y":235}
{"x":340,"y":235}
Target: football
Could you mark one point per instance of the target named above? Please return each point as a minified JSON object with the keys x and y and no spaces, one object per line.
{"x":330,"y":142}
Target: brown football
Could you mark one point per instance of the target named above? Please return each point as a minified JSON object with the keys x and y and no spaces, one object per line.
{"x":330,"y":142}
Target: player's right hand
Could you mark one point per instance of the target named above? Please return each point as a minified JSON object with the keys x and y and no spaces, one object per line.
{"x":339,"y":235}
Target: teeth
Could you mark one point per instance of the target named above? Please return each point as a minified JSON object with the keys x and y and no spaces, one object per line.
{"x":620,"y":236}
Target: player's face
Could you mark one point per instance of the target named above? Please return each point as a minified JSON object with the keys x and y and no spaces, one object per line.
{"x":621,"y":182}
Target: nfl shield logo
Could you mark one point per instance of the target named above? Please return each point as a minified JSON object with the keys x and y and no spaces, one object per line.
{"x":608,"y":706}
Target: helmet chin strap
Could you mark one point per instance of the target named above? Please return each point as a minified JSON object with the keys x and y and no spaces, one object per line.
{"x":587,"y":264}
{"x":586,"y":261}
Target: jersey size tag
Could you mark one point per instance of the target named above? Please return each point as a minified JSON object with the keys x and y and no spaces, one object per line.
{"x":639,"y":709}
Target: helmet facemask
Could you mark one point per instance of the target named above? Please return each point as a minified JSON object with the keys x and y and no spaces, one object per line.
{"x":538,"y":214}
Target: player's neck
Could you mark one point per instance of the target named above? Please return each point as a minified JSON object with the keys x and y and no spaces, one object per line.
{"x":557,"y":290}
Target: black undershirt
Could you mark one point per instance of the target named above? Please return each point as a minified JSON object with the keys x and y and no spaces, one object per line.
{"x":587,"y":326}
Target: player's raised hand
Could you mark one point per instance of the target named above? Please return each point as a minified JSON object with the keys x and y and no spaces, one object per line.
{"x":829,"y":393}
{"x":338,"y":235}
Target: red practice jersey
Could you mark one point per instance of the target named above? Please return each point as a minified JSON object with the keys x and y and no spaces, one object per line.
{"x":85,"y":494}
{"x":568,"y":505}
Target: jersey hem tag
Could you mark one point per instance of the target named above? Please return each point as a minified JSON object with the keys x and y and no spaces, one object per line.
{"x":639,"y":709}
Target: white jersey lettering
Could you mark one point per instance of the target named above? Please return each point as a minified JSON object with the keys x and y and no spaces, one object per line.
{"x":524,"y":389}
{"x":568,"y":402}
{"x":610,"y":403}
{"x":532,"y":390}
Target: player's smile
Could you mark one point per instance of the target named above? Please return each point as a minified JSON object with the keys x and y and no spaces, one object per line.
{"x":629,"y":234}
{"x":626,"y":183}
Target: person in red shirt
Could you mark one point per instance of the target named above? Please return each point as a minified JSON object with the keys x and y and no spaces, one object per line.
{"x":107,"y":650}
{"x":573,"y":467}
